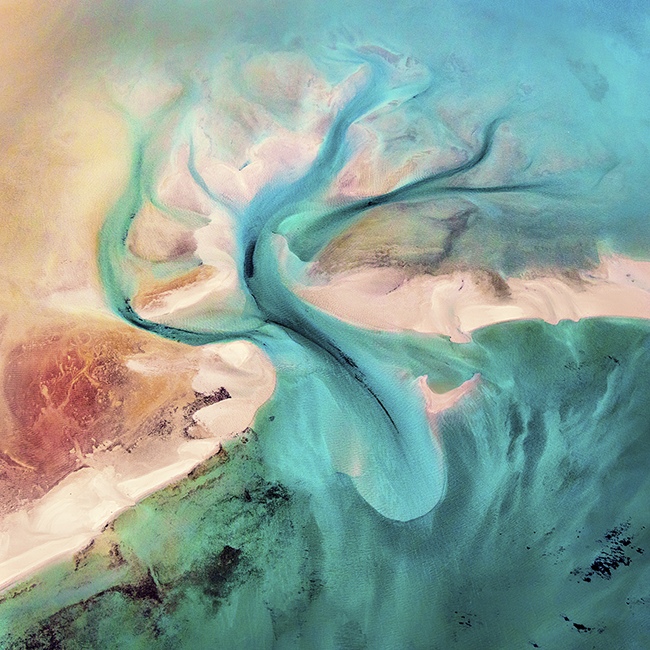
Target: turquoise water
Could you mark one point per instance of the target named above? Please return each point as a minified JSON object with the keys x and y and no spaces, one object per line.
{"x":269,"y":549}
{"x":528,"y":526}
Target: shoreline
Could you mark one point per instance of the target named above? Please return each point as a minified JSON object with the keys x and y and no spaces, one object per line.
{"x":77,"y":509}
{"x":456,"y":304}
{"x":97,"y":502}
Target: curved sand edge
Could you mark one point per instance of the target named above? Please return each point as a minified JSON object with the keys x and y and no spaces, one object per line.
{"x":455,"y":305}
{"x":68,"y":517}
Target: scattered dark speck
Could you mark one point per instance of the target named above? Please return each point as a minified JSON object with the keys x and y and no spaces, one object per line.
{"x":613,"y":555}
{"x":163,"y":428}
{"x":466,"y":620}
{"x":116,"y":559}
{"x":580,"y":627}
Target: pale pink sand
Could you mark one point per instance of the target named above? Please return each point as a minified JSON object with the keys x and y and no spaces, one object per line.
{"x":76,"y":510}
{"x":240,"y":136}
{"x":455,"y":305}
{"x":70,"y":515}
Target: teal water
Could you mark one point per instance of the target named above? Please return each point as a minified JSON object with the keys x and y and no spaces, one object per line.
{"x":528,"y":527}
{"x":547,"y":493}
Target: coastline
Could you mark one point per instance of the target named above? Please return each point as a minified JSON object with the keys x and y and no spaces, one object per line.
{"x":456,"y":304}
{"x":76,"y":510}
{"x":73,"y":513}
{"x":115,"y":477}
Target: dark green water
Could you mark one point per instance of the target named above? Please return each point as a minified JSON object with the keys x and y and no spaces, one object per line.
{"x":545,"y":519}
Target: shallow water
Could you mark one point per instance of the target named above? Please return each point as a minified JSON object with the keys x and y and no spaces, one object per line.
{"x":544,"y":520}
{"x":493,"y":139}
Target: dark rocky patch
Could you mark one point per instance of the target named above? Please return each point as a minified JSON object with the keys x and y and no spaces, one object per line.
{"x":204,"y":400}
{"x":81,"y":558}
{"x":163,"y":428}
{"x":146,"y":589}
{"x":43,"y":638}
{"x":615,"y":553}
{"x":269,"y":495}
{"x":53,"y":632}
{"x":116,"y":559}
{"x":217,"y":574}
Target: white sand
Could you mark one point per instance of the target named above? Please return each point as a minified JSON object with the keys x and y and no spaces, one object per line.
{"x":67,"y":518}
{"x":455,"y":305}
{"x":70,"y":515}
